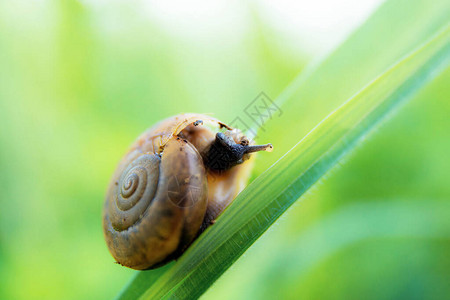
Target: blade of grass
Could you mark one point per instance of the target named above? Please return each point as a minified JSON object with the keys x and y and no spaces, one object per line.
{"x":262,"y":202}
{"x":140,"y":282}
{"x":389,"y":34}
{"x":367,"y":52}
{"x":334,"y":233}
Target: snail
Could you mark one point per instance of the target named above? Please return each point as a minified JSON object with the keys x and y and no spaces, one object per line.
{"x":173,"y":183}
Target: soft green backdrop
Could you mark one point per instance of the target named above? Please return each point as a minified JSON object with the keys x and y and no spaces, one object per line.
{"x":79,"y":82}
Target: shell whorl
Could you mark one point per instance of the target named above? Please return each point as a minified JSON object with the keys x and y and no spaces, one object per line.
{"x":150,"y":216}
{"x":135,"y":191}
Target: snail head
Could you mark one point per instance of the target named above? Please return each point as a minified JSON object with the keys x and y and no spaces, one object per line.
{"x":229,"y":149}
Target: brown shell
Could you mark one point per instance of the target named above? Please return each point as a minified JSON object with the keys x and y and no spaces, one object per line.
{"x":161,"y":194}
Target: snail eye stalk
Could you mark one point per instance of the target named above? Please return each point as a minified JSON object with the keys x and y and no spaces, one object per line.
{"x":225,"y":153}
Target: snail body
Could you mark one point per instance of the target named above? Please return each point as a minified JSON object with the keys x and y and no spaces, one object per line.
{"x":174,"y":181}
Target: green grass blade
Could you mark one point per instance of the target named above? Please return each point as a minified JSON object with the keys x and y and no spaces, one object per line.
{"x":382,"y":34}
{"x":271,"y":194}
{"x":336,"y":232}
{"x":141,"y":282}
{"x":388,"y":35}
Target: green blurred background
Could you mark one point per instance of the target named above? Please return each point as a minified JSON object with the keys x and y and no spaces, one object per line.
{"x":80,"y":80}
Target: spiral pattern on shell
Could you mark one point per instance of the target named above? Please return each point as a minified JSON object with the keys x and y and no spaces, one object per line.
{"x":134,"y":191}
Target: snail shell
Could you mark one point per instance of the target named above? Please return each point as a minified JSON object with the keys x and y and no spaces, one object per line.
{"x":163,"y":192}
